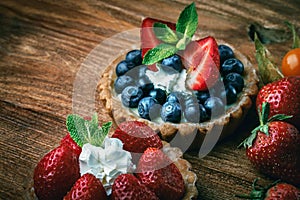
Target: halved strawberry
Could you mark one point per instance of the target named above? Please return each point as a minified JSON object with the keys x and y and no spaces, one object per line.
{"x":148,"y":38}
{"x":202,"y":60}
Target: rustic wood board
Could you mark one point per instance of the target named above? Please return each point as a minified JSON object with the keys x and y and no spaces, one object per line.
{"x":43,"y":43}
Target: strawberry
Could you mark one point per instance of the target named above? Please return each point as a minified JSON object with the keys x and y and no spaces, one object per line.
{"x":148,"y":37}
{"x":274,"y":191}
{"x":67,"y":140}
{"x":137,"y":136}
{"x":87,"y":187}
{"x":160,"y":175}
{"x":283,"y":97}
{"x":56,"y":172}
{"x":127,"y":186}
{"x":202,"y":60}
{"x":274,"y":146}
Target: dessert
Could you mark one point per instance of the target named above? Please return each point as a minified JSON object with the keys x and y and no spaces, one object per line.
{"x":90,"y":164}
{"x":181,"y":84}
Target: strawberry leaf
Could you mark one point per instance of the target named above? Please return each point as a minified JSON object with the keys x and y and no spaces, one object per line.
{"x":164,"y":33}
{"x":87,"y":131}
{"x":279,"y":117}
{"x":296,"y":40}
{"x":158,"y":53}
{"x":187,"y":22}
{"x":267,"y":70}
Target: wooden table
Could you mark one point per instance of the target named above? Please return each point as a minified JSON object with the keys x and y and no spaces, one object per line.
{"x":42,"y":46}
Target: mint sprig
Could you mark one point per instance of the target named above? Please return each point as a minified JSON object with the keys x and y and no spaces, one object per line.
{"x":186,"y":27}
{"x":87,"y":131}
{"x":164,"y":33}
{"x":188,"y":21}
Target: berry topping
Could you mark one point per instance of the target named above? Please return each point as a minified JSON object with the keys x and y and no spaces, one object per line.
{"x":202,"y":96}
{"x":173,"y":62}
{"x":134,"y":56}
{"x":131,"y":96}
{"x":159,"y":95}
{"x":202,"y":60}
{"x":229,"y":94}
{"x":232,"y":65}
{"x":148,"y":108}
{"x":85,"y":188}
{"x":122,"y":82}
{"x":225,"y":53}
{"x":234,"y":79}
{"x":214,"y":106}
{"x":123,"y":67}
{"x":145,"y":85}
{"x":171,"y":112}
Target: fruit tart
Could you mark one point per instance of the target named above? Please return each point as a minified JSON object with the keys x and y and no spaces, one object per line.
{"x":130,"y":163}
{"x":186,"y":86}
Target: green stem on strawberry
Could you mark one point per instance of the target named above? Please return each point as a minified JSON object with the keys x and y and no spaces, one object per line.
{"x":87,"y":131}
{"x":257,"y":192}
{"x":268,"y":71}
{"x":264,"y":123}
{"x":296,"y":39}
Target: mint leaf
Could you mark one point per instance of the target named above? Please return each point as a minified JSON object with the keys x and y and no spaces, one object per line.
{"x":158,"y":53}
{"x":164,"y":33}
{"x":267,"y":70}
{"x":187,"y":22}
{"x":296,"y":40}
{"x":87,"y":131}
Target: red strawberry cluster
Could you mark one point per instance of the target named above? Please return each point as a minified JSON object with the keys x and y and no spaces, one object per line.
{"x":274,"y":146}
{"x":57,"y":175}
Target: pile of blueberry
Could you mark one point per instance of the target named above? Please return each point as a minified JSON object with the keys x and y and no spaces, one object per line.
{"x":137,"y":91}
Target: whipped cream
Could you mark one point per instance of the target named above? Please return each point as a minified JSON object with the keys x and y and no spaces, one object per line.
{"x":168,"y":79}
{"x":106,"y":162}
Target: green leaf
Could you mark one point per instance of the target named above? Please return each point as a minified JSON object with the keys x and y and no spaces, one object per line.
{"x":296,"y":40}
{"x":87,"y":131}
{"x":181,"y":44}
{"x":158,"y":53}
{"x":265,"y":112}
{"x":279,"y":117}
{"x":249,"y":140}
{"x":267,"y":70}
{"x":164,"y":33}
{"x":187,"y":22}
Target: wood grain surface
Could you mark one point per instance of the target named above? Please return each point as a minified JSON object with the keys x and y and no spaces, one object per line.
{"x":42,"y":46}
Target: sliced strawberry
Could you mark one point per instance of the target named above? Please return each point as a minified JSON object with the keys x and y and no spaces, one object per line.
{"x":160,"y":175}
{"x":56,"y":172}
{"x":87,"y":187}
{"x":67,"y":140}
{"x":148,"y":38}
{"x":127,"y":186}
{"x":202,"y":60}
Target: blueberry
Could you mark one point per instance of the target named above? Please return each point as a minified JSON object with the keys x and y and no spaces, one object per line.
{"x":123,"y":67}
{"x":131,"y":96}
{"x":232,"y":65}
{"x":174,"y":62}
{"x":145,"y":84}
{"x":229,"y":94}
{"x":122,"y":82}
{"x":159,"y":95}
{"x":214,"y":106}
{"x":189,"y":100}
{"x":203,"y":114}
{"x":192,"y":112}
{"x":134,"y":56}
{"x":137,"y":72}
{"x":175,"y":97}
{"x":225,"y":53}
{"x":202,"y":96}
{"x":148,"y":108}
{"x":234,"y":79}
{"x":171,"y":112}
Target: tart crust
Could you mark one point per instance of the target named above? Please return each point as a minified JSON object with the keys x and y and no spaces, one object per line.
{"x":194,"y":132}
